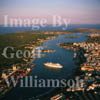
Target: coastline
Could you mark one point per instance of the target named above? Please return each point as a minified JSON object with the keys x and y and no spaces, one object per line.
{"x":86,"y":69}
{"x":70,"y":75}
{"x":2,"y":95}
{"x":40,"y":44}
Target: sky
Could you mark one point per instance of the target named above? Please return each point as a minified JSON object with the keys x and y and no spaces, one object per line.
{"x":78,"y":11}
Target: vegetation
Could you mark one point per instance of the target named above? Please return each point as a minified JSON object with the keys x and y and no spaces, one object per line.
{"x":19,"y":40}
{"x":71,"y":37}
{"x":87,"y":30}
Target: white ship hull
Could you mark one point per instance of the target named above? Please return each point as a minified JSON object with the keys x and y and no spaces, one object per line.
{"x":51,"y":65}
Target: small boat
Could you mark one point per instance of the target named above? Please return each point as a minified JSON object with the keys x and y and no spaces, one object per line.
{"x":53,"y":65}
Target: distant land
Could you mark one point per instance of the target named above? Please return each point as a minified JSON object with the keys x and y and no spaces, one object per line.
{"x":4,"y":30}
{"x":88,"y":30}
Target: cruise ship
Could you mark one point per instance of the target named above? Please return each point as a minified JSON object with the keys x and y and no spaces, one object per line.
{"x":53,"y":65}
